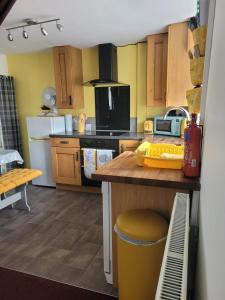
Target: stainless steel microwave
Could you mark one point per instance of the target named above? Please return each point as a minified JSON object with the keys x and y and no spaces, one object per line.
{"x":169,"y":126}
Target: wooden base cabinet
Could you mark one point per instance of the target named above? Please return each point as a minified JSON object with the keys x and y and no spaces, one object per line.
{"x":66,"y":161}
{"x":128,"y":145}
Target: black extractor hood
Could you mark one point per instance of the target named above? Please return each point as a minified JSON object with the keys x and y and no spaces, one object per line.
{"x":108,"y":74}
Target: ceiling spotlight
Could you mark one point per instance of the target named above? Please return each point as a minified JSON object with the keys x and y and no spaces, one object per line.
{"x":25,"y":34}
{"x":43,"y":31}
{"x":32,"y":22}
{"x":10,"y":37}
{"x":59,"y":26}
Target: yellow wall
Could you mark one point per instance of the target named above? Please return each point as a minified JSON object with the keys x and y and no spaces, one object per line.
{"x":34,"y":72}
{"x":127,"y":73}
{"x":141,"y":85}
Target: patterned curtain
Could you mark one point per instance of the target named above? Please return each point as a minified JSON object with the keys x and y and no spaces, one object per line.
{"x":8,"y":115}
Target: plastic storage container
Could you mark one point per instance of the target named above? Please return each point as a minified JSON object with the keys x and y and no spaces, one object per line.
{"x":199,"y":37}
{"x":194,"y":100}
{"x":141,"y":237}
{"x":196,"y":70}
{"x":166,"y":156}
{"x":141,"y":152}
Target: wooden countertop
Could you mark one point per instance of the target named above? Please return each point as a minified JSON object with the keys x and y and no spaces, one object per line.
{"x":123,"y":169}
{"x":164,"y":139}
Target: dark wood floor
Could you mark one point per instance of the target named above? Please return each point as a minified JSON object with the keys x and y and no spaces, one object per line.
{"x":60,"y":239}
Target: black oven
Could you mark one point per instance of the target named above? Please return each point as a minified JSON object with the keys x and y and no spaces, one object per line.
{"x":96,"y":143}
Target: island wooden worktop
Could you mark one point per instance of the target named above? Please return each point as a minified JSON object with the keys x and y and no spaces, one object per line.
{"x":123,"y":169}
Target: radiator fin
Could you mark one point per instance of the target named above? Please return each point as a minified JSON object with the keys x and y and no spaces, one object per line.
{"x":173,"y":275}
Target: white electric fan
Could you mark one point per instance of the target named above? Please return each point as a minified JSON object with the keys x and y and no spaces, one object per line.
{"x":49,"y":100}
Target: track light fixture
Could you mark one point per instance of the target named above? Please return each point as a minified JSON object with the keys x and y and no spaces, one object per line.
{"x":31,"y":22}
{"x":25,"y":34}
{"x":59,"y":26}
{"x":43,"y":31}
{"x":10,"y":37}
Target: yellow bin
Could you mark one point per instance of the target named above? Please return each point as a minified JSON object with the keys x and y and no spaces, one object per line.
{"x":141,"y":237}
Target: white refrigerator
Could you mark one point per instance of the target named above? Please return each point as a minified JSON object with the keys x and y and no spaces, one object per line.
{"x":39,"y":129}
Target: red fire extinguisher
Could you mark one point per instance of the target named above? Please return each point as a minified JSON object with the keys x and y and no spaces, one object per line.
{"x":192,"y":148}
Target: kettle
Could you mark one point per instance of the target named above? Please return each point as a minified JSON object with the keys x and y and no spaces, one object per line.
{"x":148,"y":126}
{"x":81,"y":122}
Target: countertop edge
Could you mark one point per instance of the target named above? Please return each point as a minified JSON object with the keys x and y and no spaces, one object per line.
{"x":134,"y":136}
{"x":97,"y":137}
{"x":137,"y":136}
{"x":195,"y":186}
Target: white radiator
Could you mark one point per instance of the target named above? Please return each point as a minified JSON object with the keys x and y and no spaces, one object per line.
{"x":172,"y":283}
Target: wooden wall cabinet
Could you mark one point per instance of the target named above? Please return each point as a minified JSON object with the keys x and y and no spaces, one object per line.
{"x":168,"y":66}
{"x":68,"y":77}
{"x":157,"y":49}
{"x":128,"y":145}
{"x":178,"y":65}
{"x":66,"y":161}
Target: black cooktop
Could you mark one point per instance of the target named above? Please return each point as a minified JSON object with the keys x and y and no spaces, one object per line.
{"x":109,"y":133}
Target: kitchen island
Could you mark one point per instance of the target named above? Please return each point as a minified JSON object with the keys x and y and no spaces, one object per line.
{"x":127,"y":186}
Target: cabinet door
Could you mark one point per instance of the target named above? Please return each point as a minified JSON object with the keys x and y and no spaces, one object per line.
{"x":62,"y":59}
{"x":77,"y":90}
{"x":68,"y":77}
{"x":128,"y":145}
{"x":156,"y":69}
{"x":65,"y":142}
{"x":178,"y":66}
{"x":66,"y":165}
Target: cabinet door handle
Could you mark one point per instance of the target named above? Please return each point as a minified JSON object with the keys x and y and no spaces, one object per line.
{"x":70,"y":100}
{"x":77,"y":156}
{"x":64,"y":142}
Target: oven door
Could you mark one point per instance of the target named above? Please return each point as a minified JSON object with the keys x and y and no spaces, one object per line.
{"x":110,"y":144}
{"x":86,"y":181}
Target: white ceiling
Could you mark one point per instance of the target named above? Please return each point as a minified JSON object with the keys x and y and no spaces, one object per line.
{"x":91,"y":22}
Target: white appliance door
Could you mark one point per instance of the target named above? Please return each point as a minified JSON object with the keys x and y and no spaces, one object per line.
{"x":38,"y":127}
{"x":40,"y":158}
{"x":107,"y":231}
